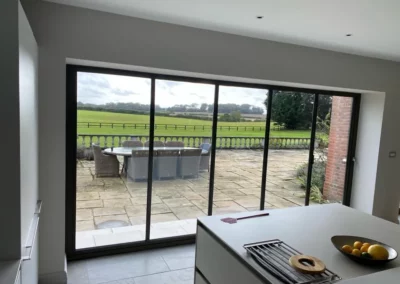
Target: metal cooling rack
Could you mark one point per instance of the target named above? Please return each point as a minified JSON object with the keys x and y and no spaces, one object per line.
{"x":274,"y":256}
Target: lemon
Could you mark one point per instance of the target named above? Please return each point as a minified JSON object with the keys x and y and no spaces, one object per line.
{"x":378,"y":252}
{"x":356,"y":252}
{"x":357,"y":245}
{"x":347,"y":249}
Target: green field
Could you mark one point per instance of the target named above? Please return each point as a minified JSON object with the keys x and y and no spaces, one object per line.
{"x":108,"y":117}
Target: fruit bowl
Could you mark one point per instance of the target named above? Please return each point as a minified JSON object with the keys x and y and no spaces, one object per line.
{"x":340,"y":241}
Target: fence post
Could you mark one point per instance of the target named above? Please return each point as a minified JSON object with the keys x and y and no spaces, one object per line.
{"x":100,"y":124}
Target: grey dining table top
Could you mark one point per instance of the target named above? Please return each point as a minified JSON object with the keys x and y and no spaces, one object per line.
{"x":127,"y":151}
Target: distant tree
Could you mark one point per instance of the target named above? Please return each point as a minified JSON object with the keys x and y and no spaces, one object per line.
{"x":294,"y":109}
{"x":203,"y":107}
{"x":236,"y":116}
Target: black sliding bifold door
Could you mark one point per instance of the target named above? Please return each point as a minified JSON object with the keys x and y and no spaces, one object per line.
{"x":147,"y":154}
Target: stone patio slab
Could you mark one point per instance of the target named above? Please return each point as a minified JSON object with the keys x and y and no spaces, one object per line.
{"x":177,"y":202}
{"x":108,"y":211}
{"x":87,"y":195}
{"x":117,"y":202}
{"x":102,"y":219}
{"x":84,"y":214}
{"x":115,"y":195}
{"x":89,"y":204}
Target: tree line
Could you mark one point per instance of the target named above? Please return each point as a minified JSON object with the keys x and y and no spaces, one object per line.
{"x":207,"y":108}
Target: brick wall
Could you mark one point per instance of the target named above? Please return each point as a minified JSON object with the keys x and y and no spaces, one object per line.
{"x":338,"y":146}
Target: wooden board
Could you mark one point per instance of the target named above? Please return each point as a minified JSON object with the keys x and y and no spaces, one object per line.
{"x":313,"y":266}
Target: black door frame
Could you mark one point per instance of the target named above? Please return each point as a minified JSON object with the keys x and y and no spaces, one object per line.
{"x":71,"y":134}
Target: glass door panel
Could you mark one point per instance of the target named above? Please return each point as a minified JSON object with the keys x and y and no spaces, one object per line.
{"x":182,"y":148}
{"x":331,"y":148}
{"x":112,"y":118}
{"x":288,"y":153}
{"x":239,"y":149}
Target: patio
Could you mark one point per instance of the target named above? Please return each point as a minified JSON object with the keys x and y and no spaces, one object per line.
{"x":112,"y":210}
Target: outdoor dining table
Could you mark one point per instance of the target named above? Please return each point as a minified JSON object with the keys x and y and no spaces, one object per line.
{"x":126,"y":152}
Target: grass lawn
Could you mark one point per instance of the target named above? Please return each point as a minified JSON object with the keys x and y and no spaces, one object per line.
{"x":108,"y":117}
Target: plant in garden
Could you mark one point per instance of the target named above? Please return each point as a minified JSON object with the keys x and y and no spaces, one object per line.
{"x":319,"y":166}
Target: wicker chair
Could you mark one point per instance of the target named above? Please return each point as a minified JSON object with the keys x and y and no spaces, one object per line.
{"x":205,"y":156}
{"x":131,"y":143}
{"x":189,"y":162}
{"x":167,"y":164}
{"x":138,"y":165}
{"x":174,"y":144}
{"x":105,"y":165}
{"x":156,"y":144}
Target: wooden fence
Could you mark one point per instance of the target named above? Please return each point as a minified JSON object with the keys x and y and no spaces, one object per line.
{"x":174,"y":126}
{"x":105,"y":140}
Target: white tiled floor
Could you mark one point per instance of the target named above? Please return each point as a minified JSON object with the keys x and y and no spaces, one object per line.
{"x":163,"y":266}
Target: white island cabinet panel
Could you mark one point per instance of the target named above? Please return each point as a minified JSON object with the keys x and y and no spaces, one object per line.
{"x":218,"y":265}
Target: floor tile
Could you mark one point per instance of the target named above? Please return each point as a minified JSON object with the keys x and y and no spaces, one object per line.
{"x":179,"y":261}
{"x":184,"y":276}
{"x":77,"y":272}
{"x":128,"y":267}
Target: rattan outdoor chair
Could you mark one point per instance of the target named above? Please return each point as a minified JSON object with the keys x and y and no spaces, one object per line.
{"x":138,"y":165}
{"x":105,"y":165}
{"x":189,"y":162}
{"x":174,"y":144}
{"x":167,"y":163}
{"x":205,"y":157}
{"x":156,"y":144}
{"x":131,"y":143}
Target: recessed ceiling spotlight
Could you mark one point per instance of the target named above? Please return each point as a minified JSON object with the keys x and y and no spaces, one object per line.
{"x":260,"y":17}
{"x":348,"y":34}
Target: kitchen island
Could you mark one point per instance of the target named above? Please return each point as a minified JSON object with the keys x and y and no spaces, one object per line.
{"x":221,"y":258}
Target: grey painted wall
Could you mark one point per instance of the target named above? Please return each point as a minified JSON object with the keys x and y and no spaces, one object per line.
{"x":68,"y":32}
{"x":10,"y":243}
{"x":28,"y":123}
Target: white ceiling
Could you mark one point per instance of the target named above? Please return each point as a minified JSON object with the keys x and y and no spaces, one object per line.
{"x":374,"y":24}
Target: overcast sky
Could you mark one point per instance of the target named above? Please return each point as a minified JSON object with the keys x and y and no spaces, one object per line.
{"x":101,"y":88}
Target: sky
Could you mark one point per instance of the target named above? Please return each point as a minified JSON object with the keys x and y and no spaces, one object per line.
{"x":103,"y":88}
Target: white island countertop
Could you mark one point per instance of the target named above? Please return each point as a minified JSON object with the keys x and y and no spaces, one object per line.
{"x":309,"y":230}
